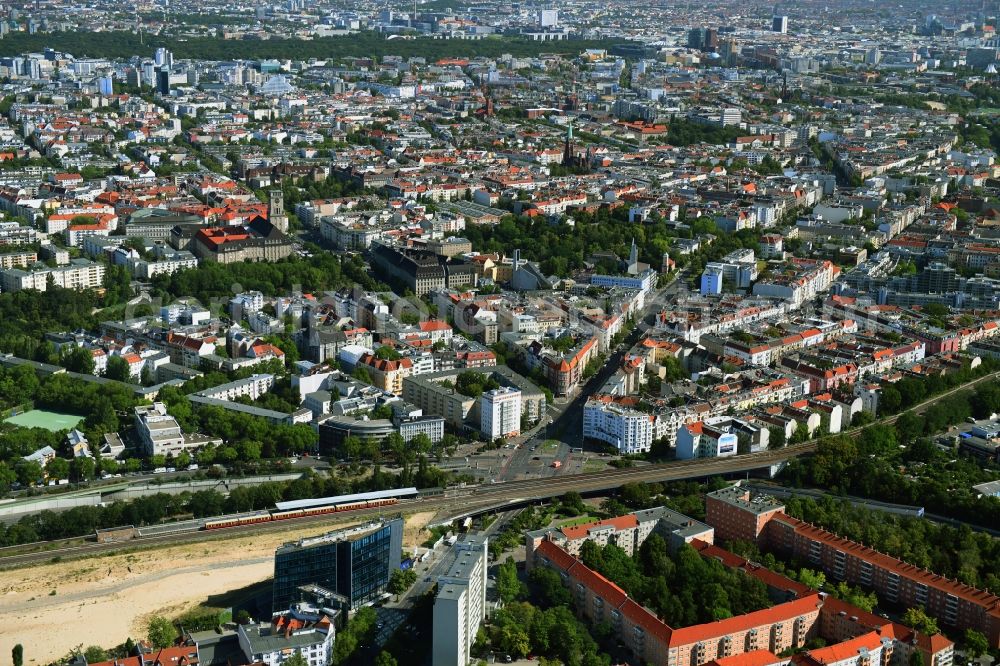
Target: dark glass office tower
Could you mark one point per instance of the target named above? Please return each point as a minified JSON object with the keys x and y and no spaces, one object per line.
{"x":355,"y":562}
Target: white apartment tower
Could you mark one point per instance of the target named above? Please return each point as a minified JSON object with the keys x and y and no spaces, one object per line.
{"x":500,"y":414}
{"x":460,"y":605}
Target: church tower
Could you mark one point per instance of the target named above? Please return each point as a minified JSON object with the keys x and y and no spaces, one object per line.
{"x":569,"y":150}
{"x":276,"y":211}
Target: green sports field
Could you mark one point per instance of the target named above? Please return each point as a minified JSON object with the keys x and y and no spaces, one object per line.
{"x":39,"y":418}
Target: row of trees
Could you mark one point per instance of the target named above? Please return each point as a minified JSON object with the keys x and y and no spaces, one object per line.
{"x":955,"y":552}
{"x":125,"y":45}
{"x":870,"y":464}
{"x":563,"y":248}
{"x":900,"y":396}
{"x":520,"y":629}
{"x":683,"y":588}
{"x":321,"y":271}
{"x":154,"y":509}
{"x":814,"y":579}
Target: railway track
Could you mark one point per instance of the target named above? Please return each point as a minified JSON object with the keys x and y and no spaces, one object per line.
{"x":467,"y":500}
{"x":477,"y":499}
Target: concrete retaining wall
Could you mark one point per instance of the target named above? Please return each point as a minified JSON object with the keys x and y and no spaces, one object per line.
{"x":177,"y":487}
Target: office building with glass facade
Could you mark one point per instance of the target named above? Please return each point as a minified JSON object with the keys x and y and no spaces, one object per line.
{"x":355,"y":562}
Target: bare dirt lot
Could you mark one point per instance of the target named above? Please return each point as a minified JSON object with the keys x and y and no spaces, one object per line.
{"x":53,"y":608}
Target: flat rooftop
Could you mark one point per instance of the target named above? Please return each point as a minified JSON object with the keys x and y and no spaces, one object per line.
{"x":742,"y":498}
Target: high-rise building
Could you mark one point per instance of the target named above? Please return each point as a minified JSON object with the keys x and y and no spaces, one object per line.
{"x":163,"y":58}
{"x":355,"y":563}
{"x":779,"y":24}
{"x":163,"y":81}
{"x":703,"y":39}
{"x":548,"y":18}
{"x":500,"y":414}
{"x":729,"y":50}
{"x":460,"y":604}
{"x":711,"y":39}
{"x":105,"y":85}
{"x":696,"y":38}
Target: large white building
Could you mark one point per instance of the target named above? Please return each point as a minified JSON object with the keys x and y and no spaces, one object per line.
{"x":799,"y":281}
{"x":644,"y":281}
{"x":160,"y":433}
{"x":166,"y":265}
{"x":460,"y":605}
{"x":80,"y":274}
{"x":500,"y":414}
{"x":252,"y":387}
{"x":630,"y":431}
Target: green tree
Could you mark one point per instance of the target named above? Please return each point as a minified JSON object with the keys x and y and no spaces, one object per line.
{"x":572,"y":504}
{"x":351,"y":447}
{"x":361,"y":374}
{"x":976,"y":644}
{"x":83,"y":468}
{"x":401,"y":580}
{"x":17,"y":655}
{"x":206,"y":503}
{"x":917,"y":618}
{"x":95,"y":653}
{"x":7,"y":477}
{"x":801,"y":433}
{"x":57,"y":468}
{"x":78,"y":359}
{"x":509,"y":586}
{"x":814,"y":579}
{"x":515,"y":640}
{"x":28,"y":472}
{"x":384,"y":658}
{"x":160,"y":632}
{"x":118,"y":369}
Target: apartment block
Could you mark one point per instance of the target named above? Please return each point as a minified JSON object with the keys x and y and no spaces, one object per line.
{"x":17,"y":259}
{"x":625,"y":428}
{"x":736,"y":514}
{"x":80,"y":274}
{"x":460,"y":604}
{"x":500,"y":413}
{"x":628,"y":532}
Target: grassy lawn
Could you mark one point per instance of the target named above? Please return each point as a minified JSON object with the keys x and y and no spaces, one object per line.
{"x":40,"y":418}
{"x":595,"y":466}
{"x":549,"y":446}
{"x":573,"y":522}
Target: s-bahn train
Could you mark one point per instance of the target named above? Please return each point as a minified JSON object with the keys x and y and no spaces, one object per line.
{"x":314,"y":507}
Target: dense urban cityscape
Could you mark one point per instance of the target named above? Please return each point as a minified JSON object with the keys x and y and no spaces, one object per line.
{"x":461,"y":332}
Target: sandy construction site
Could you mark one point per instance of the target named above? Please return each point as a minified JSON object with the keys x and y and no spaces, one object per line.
{"x":53,"y":608}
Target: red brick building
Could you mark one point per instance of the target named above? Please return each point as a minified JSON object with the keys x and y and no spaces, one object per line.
{"x":753,"y":638}
{"x":735,"y":514}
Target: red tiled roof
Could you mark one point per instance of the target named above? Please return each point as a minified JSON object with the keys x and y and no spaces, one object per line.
{"x":434,"y":325}
{"x":625,"y":522}
{"x":846,"y":650}
{"x":732,"y":625}
{"x":966,"y":592}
